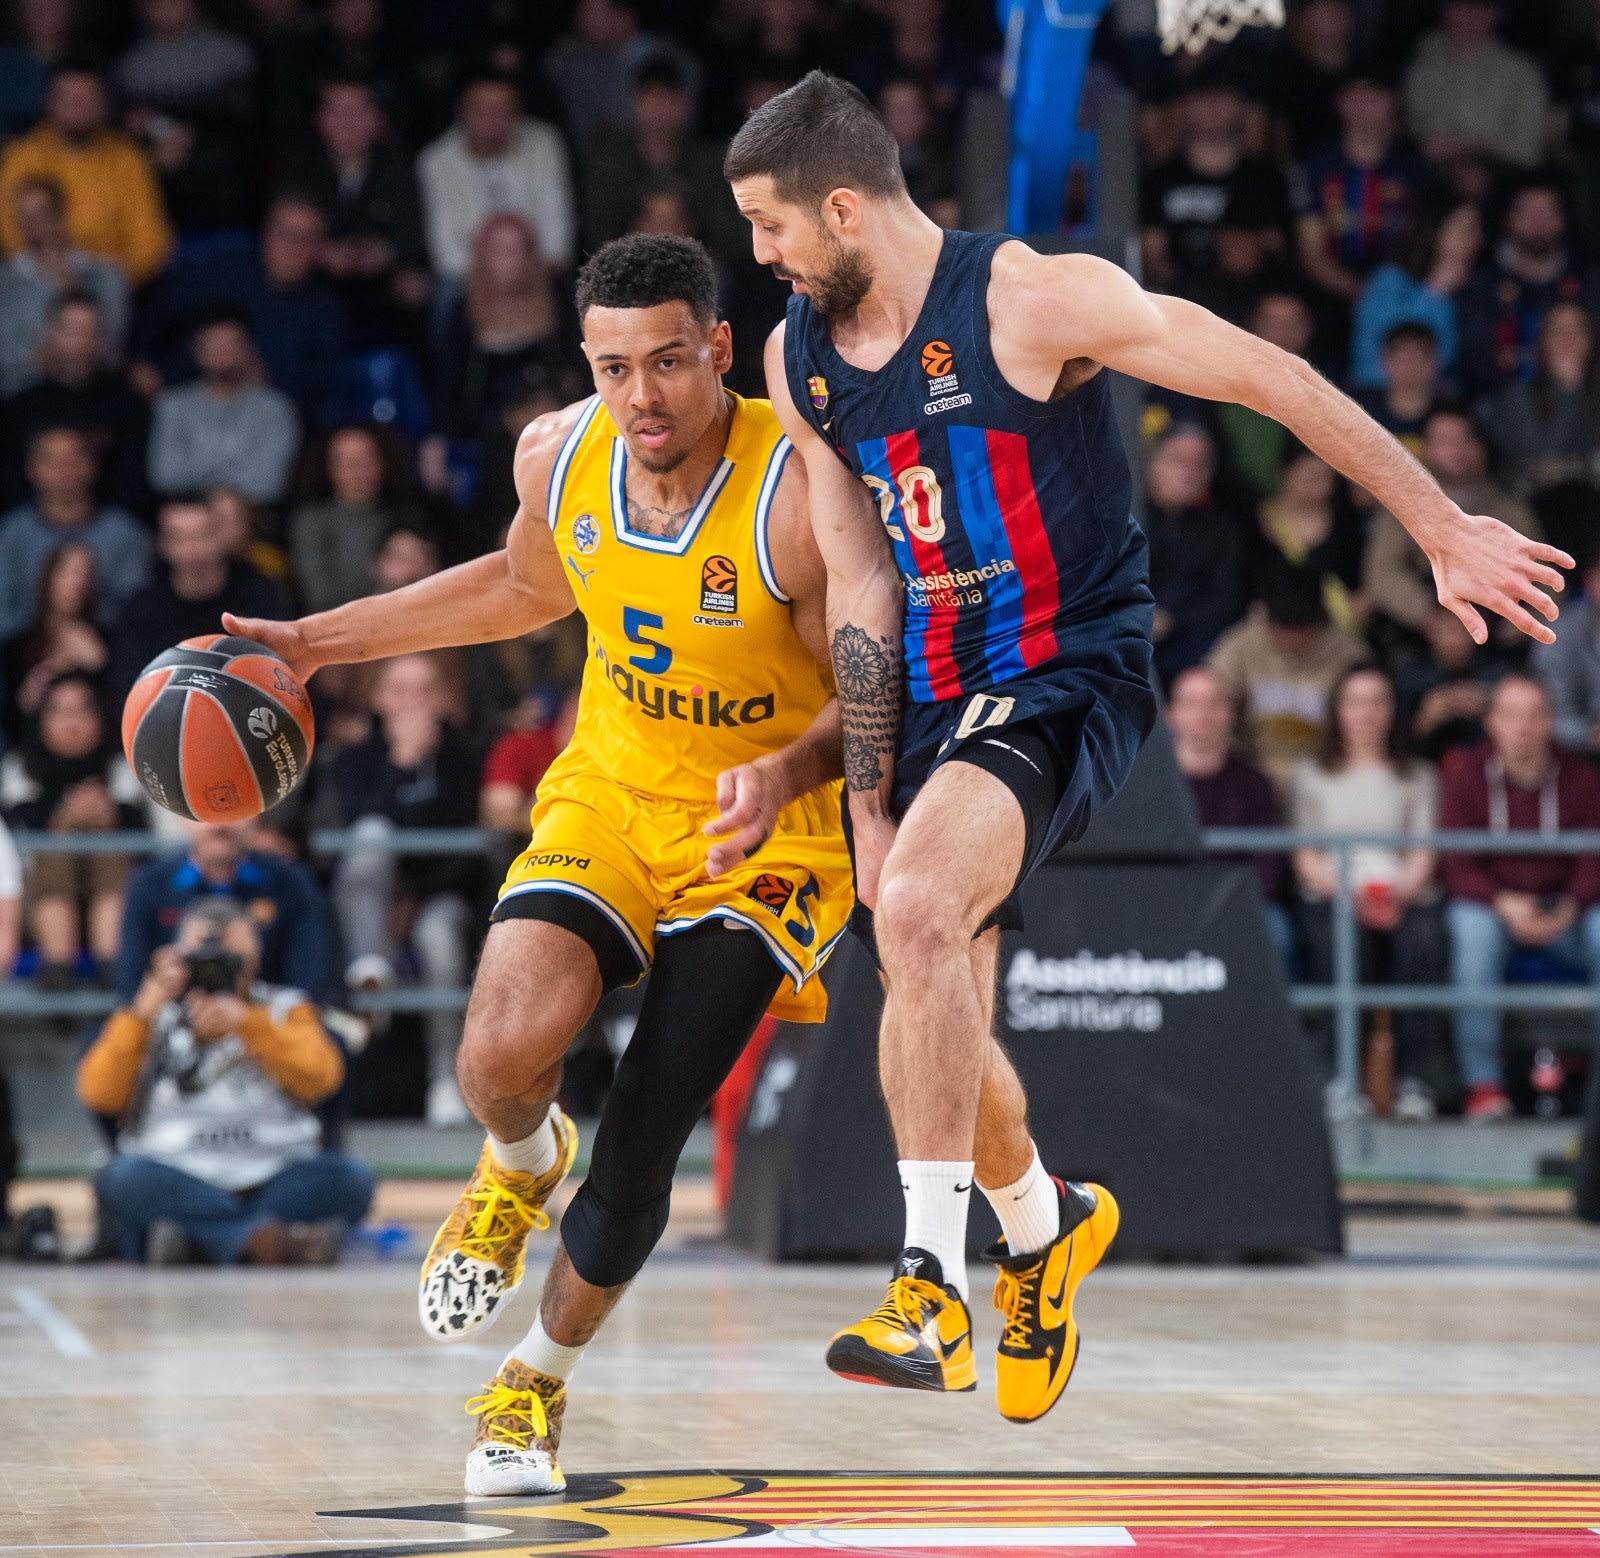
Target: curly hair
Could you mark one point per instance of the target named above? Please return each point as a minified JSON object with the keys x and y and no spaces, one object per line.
{"x":642,"y":270}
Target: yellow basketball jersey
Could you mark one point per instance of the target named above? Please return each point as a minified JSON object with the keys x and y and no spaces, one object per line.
{"x":694,"y":665}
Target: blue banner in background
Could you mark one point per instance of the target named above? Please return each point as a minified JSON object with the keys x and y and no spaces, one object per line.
{"x":1047,"y":56}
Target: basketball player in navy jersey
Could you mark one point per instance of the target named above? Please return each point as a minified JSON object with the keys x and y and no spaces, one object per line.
{"x":989,"y":620}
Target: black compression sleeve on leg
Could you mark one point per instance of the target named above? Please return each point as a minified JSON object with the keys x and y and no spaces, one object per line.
{"x":708,"y":990}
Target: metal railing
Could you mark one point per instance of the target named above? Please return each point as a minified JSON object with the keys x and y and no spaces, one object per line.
{"x":1345,"y":996}
{"x":22,"y":1001}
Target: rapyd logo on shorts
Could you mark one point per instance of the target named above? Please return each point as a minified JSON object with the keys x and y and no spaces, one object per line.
{"x":557,"y":859}
{"x":695,"y":705}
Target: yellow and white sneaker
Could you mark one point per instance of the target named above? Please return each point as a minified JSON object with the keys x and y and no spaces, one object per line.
{"x":519,"y":1430}
{"x":918,"y":1338}
{"x":475,"y":1261}
{"x":1039,"y":1338}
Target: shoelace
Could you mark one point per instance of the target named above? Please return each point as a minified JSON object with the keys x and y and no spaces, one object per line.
{"x":500,"y":1401}
{"x":501,"y":1214}
{"x":905,"y":1302}
{"x":1015,"y":1296}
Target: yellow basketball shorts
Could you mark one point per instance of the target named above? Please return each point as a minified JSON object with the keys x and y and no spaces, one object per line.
{"x":621,"y":869}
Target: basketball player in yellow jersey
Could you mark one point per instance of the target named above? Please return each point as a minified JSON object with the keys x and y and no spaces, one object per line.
{"x":669,"y":512}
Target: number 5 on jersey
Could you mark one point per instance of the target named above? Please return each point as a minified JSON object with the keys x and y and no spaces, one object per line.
{"x":634,"y":624}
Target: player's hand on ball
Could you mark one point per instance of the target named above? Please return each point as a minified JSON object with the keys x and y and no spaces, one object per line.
{"x":749,"y":800}
{"x":1481,"y":562}
{"x":282,"y":638}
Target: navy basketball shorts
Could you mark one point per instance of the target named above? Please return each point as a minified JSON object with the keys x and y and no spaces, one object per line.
{"x":1063,"y":740}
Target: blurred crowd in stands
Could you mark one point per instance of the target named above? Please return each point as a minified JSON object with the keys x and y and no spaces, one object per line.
{"x":283,"y":280}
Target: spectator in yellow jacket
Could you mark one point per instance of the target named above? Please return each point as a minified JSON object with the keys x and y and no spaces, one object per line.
{"x":114,"y":205}
{"x":214,"y":1078}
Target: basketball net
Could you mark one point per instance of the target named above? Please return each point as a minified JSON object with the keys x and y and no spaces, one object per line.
{"x":1192,"y":24}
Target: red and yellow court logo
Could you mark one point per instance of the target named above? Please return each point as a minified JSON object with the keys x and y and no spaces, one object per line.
{"x":964,"y":1516}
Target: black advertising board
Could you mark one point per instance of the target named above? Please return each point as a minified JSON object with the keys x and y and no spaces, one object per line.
{"x":1152,"y":817}
{"x":1147,"y":1014}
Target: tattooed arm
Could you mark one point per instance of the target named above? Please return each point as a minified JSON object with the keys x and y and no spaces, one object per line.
{"x":864,"y":607}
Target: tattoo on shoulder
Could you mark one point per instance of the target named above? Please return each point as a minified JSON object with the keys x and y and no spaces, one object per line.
{"x":869,"y":674}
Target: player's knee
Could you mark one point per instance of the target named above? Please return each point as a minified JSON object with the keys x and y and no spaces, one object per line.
{"x":914,"y":919}
{"x":607,"y":1244}
{"x":505,"y":1054}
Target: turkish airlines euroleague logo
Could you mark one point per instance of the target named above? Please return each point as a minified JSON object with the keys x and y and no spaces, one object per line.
{"x":719,"y":586}
{"x":772,"y":892}
{"x":944,"y":386}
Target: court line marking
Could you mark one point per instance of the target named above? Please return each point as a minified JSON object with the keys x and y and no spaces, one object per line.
{"x":467,"y":1533}
{"x":64,"y":1336}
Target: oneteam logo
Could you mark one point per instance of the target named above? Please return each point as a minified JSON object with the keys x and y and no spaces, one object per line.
{"x":944,"y":385}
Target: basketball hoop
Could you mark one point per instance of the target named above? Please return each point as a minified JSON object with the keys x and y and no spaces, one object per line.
{"x":1192,"y":24}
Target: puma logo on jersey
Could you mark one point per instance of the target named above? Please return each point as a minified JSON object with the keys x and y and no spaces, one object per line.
{"x":584,"y":574}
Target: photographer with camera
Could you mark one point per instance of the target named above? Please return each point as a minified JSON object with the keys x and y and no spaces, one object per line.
{"x":215,"y":1078}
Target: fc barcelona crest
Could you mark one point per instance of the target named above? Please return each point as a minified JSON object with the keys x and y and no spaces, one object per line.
{"x":819,"y":390}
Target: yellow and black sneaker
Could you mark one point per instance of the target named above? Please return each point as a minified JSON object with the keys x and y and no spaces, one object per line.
{"x":1039,"y":1338}
{"x":519,"y":1431}
{"x":918,"y":1338}
{"x":475,"y":1261}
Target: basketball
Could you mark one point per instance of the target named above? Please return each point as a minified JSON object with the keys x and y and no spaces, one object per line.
{"x":217,"y":729}
{"x":937,"y":359}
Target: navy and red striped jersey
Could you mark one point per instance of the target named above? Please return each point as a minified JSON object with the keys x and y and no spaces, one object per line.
{"x":1009,"y":517}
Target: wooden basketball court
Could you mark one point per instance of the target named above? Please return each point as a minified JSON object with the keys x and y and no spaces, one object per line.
{"x":1437,"y":1393}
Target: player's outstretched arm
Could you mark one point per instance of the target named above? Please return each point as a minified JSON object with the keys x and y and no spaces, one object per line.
{"x":864,"y":607}
{"x":750,"y":796}
{"x":1081,"y":307}
{"x":502,"y":595}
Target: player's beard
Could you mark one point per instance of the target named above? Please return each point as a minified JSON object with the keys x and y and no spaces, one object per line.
{"x":839,"y":288}
{"x":662,"y":463}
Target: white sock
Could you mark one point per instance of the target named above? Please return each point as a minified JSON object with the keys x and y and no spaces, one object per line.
{"x":535,"y":1154}
{"x":1029,"y":1209}
{"x":547,"y":1357}
{"x":936,"y":1214}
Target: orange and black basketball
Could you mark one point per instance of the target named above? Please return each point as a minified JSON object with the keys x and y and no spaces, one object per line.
{"x":720,"y":574}
{"x":217,"y":729}
{"x":937,"y":359}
